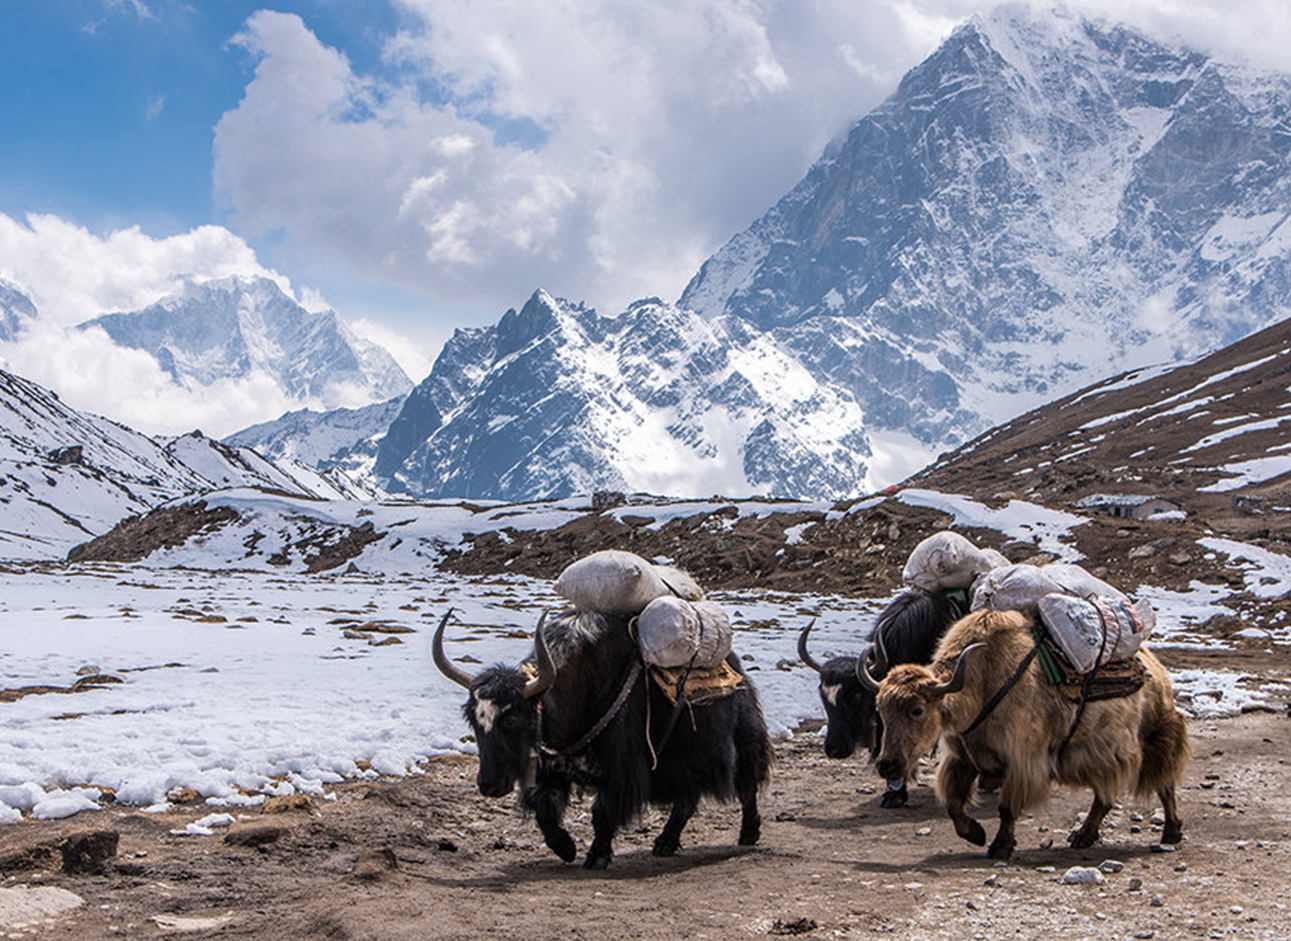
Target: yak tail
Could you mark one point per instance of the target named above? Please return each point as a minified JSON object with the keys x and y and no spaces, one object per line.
{"x":1166,"y":752}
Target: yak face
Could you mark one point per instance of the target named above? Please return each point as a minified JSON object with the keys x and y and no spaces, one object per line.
{"x":505,"y":724}
{"x":908,"y":702}
{"x":850,"y":715}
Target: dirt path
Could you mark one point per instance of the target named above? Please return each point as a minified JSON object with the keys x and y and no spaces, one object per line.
{"x":427,"y":857}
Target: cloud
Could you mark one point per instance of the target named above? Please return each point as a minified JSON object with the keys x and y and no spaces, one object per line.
{"x":89,"y":372}
{"x":599,"y":149}
{"x":73,"y":275}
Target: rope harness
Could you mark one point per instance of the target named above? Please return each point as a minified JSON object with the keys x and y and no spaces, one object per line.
{"x":1003,"y":690}
{"x":634,"y":674}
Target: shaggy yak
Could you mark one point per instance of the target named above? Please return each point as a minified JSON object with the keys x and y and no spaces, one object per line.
{"x":907,"y":631}
{"x":593,"y":716}
{"x":1138,"y":740}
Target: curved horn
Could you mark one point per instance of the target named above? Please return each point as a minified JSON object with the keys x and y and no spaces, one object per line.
{"x":881,"y":662}
{"x":863,"y":670}
{"x":956,"y":681}
{"x":446,"y":666}
{"x":546,"y":667}
{"x":803,"y":655}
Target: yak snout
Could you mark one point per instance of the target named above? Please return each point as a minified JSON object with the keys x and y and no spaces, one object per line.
{"x":494,"y":787}
{"x":892,"y":769}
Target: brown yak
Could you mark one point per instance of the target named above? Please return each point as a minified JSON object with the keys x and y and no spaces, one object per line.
{"x":1137,"y":741}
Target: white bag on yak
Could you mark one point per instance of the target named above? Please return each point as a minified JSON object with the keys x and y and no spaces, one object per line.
{"x":948,"y":560}
{"x":1020,"y":587}
{"x":673,"y":632}
{"x":1084,"y":628}
{"x":617,"y":582}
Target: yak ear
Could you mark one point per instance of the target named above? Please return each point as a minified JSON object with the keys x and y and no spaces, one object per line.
{"x":956,"y":681}
{"x":803,"y":655}
{"x":546,"y":666}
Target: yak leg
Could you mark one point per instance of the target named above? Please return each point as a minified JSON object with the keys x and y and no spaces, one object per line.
{"x":1173,"y":830}
{"x":955,"y":781}
{"x":1087,"y":834}
{"x":603,"y":828}
{"x":669,"y":840}
{"x":750,"y":820}
{"x":1004,"y":842}
{"x":547,"y":800}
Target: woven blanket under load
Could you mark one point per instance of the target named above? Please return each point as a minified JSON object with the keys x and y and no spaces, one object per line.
{"x":703,"y":685}
{"x":1112,"y":680}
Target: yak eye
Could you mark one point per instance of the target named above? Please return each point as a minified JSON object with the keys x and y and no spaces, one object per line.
{"x":917,"y":712}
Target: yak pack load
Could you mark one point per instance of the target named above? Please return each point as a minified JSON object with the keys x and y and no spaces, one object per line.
{"x":1088,"y":632}
{"x":1094,"y":631}
{"x":683,"y":639}
{"x":674,"y":632}
{"x":623,"y":583}
{"x":947,"y":560}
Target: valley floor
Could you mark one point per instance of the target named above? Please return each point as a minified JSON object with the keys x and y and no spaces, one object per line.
{"x":426,"y":856}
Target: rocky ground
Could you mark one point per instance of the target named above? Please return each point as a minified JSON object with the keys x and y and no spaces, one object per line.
{"x":427,"y":856}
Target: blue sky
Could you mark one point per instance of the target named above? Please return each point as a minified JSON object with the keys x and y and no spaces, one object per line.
{"x":421,"y":165}
{"x":110,"y":108}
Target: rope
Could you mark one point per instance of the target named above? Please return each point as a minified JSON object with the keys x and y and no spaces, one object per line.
{"x":628,"y":684}
{"x":1003,"y":690}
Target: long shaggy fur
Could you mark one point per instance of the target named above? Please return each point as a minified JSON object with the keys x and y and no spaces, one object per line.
{"x":1138,"y":742}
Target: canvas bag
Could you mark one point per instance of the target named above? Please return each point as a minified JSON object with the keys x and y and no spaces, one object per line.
{"x":1020,"y":587}
{"x":616,"y":582}
{"x":1085,"y":627}
{"x":948,"y":560}
{"x":674,"y":632}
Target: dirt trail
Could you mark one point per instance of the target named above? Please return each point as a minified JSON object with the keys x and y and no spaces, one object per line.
{"x":427,"y":857}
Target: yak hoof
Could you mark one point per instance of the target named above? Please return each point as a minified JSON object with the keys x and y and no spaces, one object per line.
{"x":596,"y":861}
{"x":1173,"y":832}
{"x":1080,"y":839}
{"x":666,"y":846}
{"x":1001,"y":849}
{"x":562,"y":844}
{"x":750,"y":833}
{"x":972,"y":831}
{"x":895,"y":798}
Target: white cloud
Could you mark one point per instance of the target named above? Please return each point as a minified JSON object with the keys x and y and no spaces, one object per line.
{"x":73,"y":274}
{"x":90,"y":373}
{"x":598,"y":148}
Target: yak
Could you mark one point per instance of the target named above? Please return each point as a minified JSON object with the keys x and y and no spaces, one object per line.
{"x":986,"y":699}
{"x":593,"y":717}
{"x":907,"y":631}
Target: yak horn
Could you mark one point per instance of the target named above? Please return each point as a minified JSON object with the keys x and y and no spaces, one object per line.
{"x":956,"y":681}
{"x":881,"y":662}
{"x":863,"y":670}
{"x":546,"y":668}
{"x":803,"y":655}
{"x":446,"y":666}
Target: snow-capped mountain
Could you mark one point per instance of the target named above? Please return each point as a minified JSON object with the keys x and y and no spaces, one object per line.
{"x":16,"y":308}
{"x":556,"y":400}
{"x":344,"y":439}
{"x":1044,"y":201}
{"x":67,"y":476}
{"x":234,"y":327}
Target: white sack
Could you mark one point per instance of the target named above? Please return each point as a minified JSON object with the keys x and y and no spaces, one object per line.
{"x":674,"y":632}
{"x":617,"y":582}
{"x":948,"y":560}
{"x":1020,"y":587}
{"x":1082,"y":627}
